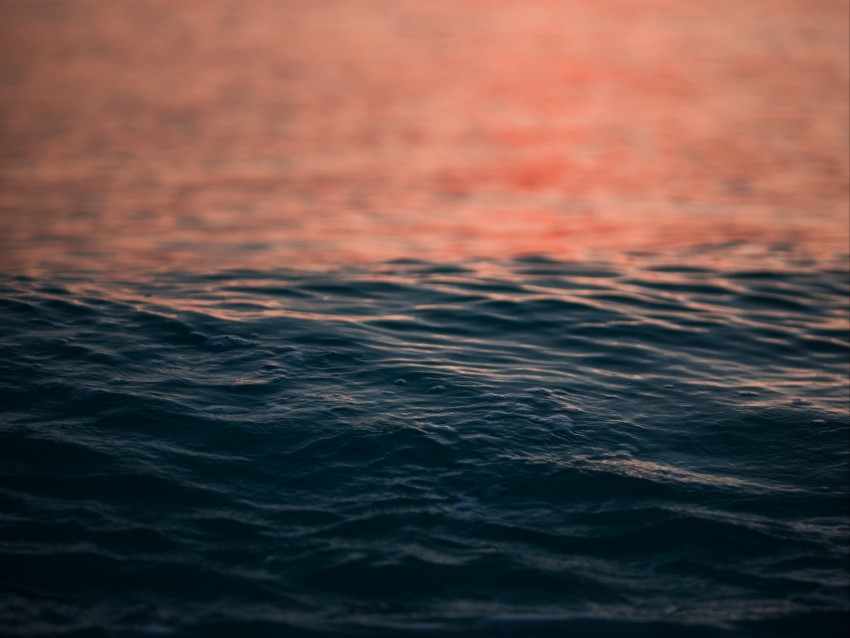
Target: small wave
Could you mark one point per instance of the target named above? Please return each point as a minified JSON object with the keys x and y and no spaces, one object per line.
{"x":426,"y":448}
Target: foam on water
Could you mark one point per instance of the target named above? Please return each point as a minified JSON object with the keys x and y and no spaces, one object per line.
{"x":523,"y":448}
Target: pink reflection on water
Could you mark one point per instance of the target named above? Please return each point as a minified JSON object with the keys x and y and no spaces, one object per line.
{"x":207,"y":134}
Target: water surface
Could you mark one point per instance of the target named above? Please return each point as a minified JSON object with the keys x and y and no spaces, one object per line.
{"x":424,"y":318}
{"x":527,"y":447}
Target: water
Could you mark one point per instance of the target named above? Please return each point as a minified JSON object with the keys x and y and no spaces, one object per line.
{"x":423,"y":318}
{"x":207,"y":134}
{"x":525,"y":447}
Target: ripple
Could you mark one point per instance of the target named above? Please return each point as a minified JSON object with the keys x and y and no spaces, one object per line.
{"x":427,"y":449}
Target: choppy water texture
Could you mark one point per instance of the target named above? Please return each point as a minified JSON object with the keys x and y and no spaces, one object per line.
{"x":521,"y":448}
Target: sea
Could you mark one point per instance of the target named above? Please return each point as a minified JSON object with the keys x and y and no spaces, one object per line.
{"x":422,"y":319}
{"x":529,"y":447}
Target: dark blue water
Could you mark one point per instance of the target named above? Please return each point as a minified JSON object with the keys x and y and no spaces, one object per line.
{"x":525,"y":448}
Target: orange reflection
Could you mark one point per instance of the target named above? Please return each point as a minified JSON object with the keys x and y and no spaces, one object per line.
{"x":217,"y":133}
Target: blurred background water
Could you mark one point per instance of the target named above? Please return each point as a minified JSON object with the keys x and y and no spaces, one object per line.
{"x":404,"y":317}
{"x":213,"y":134}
